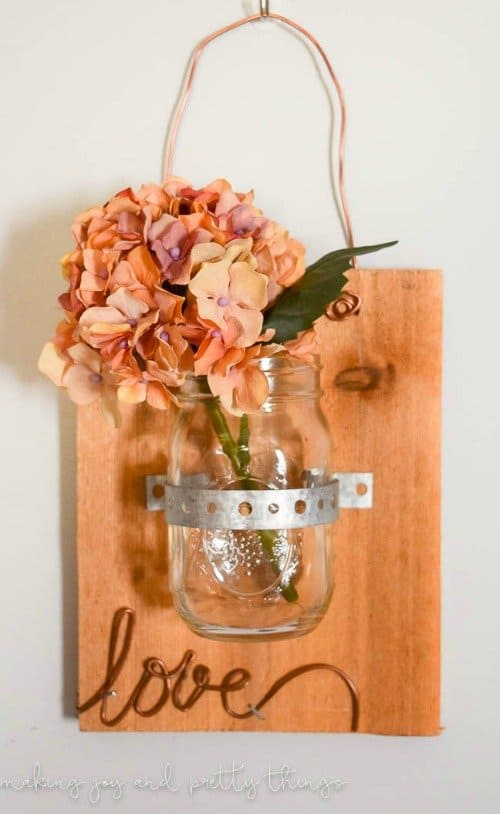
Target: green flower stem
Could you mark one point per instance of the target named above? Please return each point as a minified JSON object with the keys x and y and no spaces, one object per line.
{"x":240,"y":461}
{"x":268,"y":540}
{"x":223,"y":432}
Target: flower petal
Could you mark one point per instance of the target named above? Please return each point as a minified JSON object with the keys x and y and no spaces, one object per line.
{"x":145,"y":268}
{"x":169,"y":305}
{"x":123,"y":275}
{"x":174,"y":183}
{"x":227,"y":201}
{"x":84,"y":385}
{"x":210,"y":351}
{"x":92,"y":282}
{"x":247,"y":287}
{"x":202,"y":252}
{"x":158,"y":396}
{"x":241,"y":249}
{"x":81,"y":354}
{"x":250,"y":321}
{"x":159,"y":226}
{"x":93,"y":262}
{"x":129,"y":305}
{"x":251,"y":391}
{"x":133,"y":393}
{"x":223,"y":386}
{"x":212,"y":279}
{"x":305,"y":346}
{"x":52,"y":363}
{"x":106,"y":314}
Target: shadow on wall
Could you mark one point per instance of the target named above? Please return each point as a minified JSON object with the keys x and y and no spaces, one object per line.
{"x":30,"y":314}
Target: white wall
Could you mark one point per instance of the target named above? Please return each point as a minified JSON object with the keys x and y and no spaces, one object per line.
{"x":86,"y":92}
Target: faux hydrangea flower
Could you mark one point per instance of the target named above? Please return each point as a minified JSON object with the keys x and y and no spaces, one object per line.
{"x":231,"y":294}
{"x":168,"y":280}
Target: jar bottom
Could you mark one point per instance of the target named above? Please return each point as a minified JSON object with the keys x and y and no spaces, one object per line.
{"x":290,"y":629}
{"x":226,"y":587}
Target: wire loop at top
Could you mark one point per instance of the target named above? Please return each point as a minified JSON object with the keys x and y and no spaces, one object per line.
{"x":184,"y":97}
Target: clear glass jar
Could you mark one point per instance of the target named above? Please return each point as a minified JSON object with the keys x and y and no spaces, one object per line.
{"x":251,"y":584}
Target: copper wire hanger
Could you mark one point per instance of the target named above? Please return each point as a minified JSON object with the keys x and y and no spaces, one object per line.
{"x":180,"y":107}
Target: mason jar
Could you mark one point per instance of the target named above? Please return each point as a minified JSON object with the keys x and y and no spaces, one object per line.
{"x":250,"y":505}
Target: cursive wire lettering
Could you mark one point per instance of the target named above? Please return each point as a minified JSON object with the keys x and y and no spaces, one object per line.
{"x":172,"y":684}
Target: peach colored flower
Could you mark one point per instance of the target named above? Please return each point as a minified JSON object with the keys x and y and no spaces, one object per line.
{"x":53,"y":363}
{"x":155,"y":196}
{"x":291,"y":263}
{"x":53,"y":359}
{"x":144,"y":267}
{"x":115,"y":328}
{"x":305,"y":346}
{"x":231,"y":294}
{"x":280,"y":257}
{"x":171,"y":242}
{"x":237,"y":218}
{"x":168,"y":348}
{"x":165,"y":280}
{"x":173,"y":185}
{"x":83,"y":375}
{"x":210,"y":351}
{"x":135,"y":386}
{"x":170,"y":306}
{"x":123,"y":276}
{"x":72,"y":269}
{"x":235,"y":378}
{"x":66,"y":333}
{"x":86,"y":222}
{"x":206,"y":197}
{"x":212,"y":348}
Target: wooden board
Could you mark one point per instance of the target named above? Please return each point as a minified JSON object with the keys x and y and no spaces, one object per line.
{"x":381,"y":381}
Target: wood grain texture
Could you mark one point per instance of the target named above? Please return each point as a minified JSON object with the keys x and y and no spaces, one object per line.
{"x":383,"y":624}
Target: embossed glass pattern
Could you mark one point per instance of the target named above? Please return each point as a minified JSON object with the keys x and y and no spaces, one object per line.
{"x":253,"y":583}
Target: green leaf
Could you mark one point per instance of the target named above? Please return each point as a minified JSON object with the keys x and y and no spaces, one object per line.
{"x":299,"y":306}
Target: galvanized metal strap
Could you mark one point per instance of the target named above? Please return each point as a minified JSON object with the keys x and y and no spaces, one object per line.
{"x":248,"y":509}
{"x":355,"y":491}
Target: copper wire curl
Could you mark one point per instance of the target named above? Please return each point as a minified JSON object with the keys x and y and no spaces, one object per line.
{"x":347,"y":305}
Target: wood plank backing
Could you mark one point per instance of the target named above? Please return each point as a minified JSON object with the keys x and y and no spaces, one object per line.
{"x":381,"y":381}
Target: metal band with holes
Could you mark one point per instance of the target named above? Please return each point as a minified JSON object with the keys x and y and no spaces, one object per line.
{"x":248,"y":509}
{"x":355,"y":488}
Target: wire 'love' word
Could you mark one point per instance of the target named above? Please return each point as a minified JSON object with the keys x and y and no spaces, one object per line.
{"x":172,"y":682}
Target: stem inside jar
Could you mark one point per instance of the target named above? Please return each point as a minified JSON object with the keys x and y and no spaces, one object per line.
{"x":239,"y":456}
